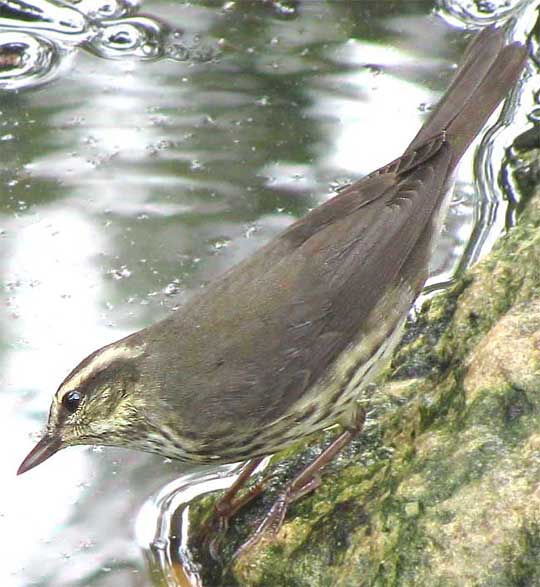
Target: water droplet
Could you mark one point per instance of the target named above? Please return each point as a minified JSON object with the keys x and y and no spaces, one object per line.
{"x":228,"y":6}
{"x":485,"y":6}
{"x":196,"y":165}
{"x":121,"y":273}
{"x":139,"y":37}
{"x":263,"y":101}
{"x":534,"y":115}
{"x":159,"y":544}
{"x":220,"y":243}
{"x":250,"y":231}
{"x":172,"y":289}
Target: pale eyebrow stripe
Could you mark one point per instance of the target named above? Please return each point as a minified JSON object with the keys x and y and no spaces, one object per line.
{"x":98,"y":363}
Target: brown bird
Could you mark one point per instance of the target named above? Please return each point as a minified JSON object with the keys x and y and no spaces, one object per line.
{"x":279,"y":346}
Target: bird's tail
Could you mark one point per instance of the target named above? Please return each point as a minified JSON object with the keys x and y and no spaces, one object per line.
{"x":488,"y":71}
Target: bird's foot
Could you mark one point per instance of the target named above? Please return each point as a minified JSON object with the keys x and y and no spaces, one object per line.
{"x":215,"y":526}
{"x":272,"y":522}
{"x":214,"y":529}
{"x":305,"y":482}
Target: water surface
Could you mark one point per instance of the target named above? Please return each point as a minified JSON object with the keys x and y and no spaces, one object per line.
{"x":145,"y":149}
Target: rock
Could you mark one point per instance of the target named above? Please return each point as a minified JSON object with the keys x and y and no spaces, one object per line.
{"x":443,"y":488}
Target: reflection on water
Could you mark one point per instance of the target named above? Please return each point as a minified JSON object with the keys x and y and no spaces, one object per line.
{"x":479,"y":12}
{"x":48,"y":32}
{"x":165,"y":147}
{"x":162,"y":526}
{"x":490,"y":215}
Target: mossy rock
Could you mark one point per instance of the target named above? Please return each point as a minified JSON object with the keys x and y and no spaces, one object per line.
{"x":442,"y":488}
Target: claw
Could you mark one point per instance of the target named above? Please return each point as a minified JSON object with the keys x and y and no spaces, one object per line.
{"x":215,"y":527}
{"x":305,"y":482}
{"x":273,"y":521}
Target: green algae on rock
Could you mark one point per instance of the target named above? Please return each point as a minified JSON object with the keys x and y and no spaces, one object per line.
{"x":442,"y":489}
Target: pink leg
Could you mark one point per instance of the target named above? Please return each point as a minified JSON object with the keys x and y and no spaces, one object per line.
{"x":215,"y":527}
{"x":305,"y":482}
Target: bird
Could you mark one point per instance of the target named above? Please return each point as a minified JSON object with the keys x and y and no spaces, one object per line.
{"x":280,"y":346}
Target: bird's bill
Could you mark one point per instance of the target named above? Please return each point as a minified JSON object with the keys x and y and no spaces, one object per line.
{"x":44,"y":449}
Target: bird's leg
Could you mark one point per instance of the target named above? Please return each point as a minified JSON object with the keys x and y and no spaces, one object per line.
{"x":215,"y":527}
{"x":305,"y":482}
{"x":228,"y":505}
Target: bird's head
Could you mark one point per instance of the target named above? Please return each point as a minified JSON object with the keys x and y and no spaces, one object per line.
{"x":97,"y":403}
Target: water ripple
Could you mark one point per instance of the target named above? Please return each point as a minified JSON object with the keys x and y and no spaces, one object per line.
{"x":43,"y":33}
{"x":101,"y":9}
{"x":27,"y":60}
{"x":140,"y":37}
{"x":162,"y":525}
{"x":478,"y":13}
{"x":41,"y":16}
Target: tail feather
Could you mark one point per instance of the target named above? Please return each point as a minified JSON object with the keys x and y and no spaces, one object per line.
{"x":489,"y":69}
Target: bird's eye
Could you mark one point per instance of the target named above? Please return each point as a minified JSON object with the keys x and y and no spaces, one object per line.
{"x":71,"y":401}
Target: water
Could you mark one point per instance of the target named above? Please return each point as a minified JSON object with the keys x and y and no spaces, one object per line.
{"x":145,"y":149}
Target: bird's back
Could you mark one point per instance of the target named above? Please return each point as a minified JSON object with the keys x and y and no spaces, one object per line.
{"x":285,"y":332}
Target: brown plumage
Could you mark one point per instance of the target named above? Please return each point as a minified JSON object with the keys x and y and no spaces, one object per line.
{"x":279,"y":345}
